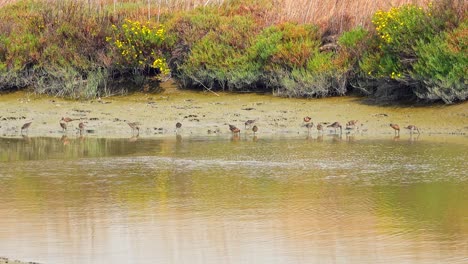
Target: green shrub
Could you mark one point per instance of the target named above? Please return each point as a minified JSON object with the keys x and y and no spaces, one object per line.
{"x":409,"y":57}
{"x":290,"y":58}
{"x":442,"y":66}
{"x":209,"y":50}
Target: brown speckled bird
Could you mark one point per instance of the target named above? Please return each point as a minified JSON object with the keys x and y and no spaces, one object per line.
{"x":319,"y":127}
{"x":178,"y":125}
{"x":352,"y":125}
{"x":234,"y":129}
{"x":81,"y":126}
{"x":248,"y":123}
{"x":412,"y":128}
{"x":26,"y":127}
{"x":134,"y":126}
{"x":63,"y":126}
{"x":66,"y":119}
{"x":396,"y":128}
{"x":254,"y":129}
{"x":336,"y":125}
{"x":309,"y":126}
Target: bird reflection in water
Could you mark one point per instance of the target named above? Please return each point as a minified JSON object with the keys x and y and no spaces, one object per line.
{"x":133,"y":138}
{"x":413,"y":138}
{"x":26,"y":138}
{"x":320,"y":138}
{"x":65,"y":140}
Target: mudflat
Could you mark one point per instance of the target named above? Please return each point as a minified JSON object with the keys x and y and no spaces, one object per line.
{"x":202,"y":113}
{"x":10,"y":261}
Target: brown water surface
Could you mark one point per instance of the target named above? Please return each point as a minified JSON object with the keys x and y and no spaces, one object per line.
{"x":234,"y":200}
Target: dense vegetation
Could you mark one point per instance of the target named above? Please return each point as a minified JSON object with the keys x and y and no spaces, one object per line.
{"x":71,"y":49}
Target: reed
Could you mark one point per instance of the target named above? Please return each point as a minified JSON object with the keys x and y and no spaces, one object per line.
{"x":333,"y":15}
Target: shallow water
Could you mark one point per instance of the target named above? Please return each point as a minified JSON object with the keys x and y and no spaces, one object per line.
{"x":234,"y":200}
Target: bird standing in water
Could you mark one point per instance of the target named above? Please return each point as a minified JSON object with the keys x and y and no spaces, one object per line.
{"x":26,"y":127}
{"x":319,"y":127}
{"x":234,"y":129}
{"x":249,"y":123}
{"x":134,"y":126}
{"x":66,"y":119}
{"x":81,"y":127}
{"x":396,"y":128}
{"x":412,"y":128}
{"x":254,"y":129}
{"x":63,"y":126}
{"x":351,"y":125}
{"x":309,"y":126}
{"x":336,"y":125}
{"x":178,"y":125}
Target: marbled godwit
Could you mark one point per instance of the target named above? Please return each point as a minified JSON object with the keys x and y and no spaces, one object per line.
{"x":254,"y":129}
{"x":412,"y":128}
{"x":351,"y":125}
{"x":234,"y":129}
{"x":178,"y":125}
{"x":26,"y":127}
{"x":336,"y":125}
{"x":81,"y":126}
{"x":309,"y":126}
{"x":134,"y":126}
{"x":352,"y":122}
{"x":63,"y":126}
{"x":66,"y":119}
{"x":307,"y":119}
{"x":396,"y":128}
{"x":319,"y":127}
{"x":249,"y":123}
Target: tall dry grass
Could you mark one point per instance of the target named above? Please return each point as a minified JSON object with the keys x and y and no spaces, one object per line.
{"x":334,"y":16}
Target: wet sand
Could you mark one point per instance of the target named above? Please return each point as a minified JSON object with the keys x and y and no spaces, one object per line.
{"x":202,"y":112}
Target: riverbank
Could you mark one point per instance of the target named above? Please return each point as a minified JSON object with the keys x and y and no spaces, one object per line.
{"x":203,"y":113}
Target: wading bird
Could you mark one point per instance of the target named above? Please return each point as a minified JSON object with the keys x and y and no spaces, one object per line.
{"x":254,"y":129}
{"x":66,"y":119}
{"x":412,"y":128}
{"x":63,"y":126}
{"x":26,"y":127}
{"x":81,"y":126}
{"x":319,"y":127}
{"x":307,"y":119}
{"x":249,"y":123}
{"x":134,"y":126}
{"x":336,"y":125}
{"x":309,"y":126}
{"x":352,"y":125}
{"x":234,"y":129}
{"x":178,"y":125}
{"x":396,"y":128}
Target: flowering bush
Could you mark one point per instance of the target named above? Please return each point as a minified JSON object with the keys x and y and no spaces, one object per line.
{"x":398,"y":31}
{"x":139,"y":45}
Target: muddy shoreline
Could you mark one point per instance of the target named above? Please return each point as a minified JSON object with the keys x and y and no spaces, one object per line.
{"x":10,"y":261}
{"x":203,"y":113}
